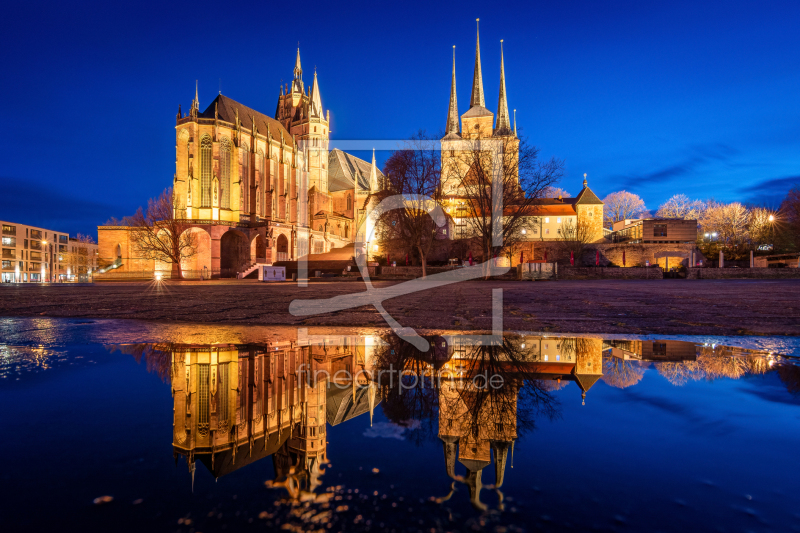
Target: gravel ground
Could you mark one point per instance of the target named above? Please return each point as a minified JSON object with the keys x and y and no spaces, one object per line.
{"x":667,"y":307}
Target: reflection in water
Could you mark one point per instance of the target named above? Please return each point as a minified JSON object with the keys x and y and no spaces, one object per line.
{"x":237,"y":404}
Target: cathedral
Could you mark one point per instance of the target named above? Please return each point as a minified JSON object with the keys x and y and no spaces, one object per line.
{"x":255,"y":188}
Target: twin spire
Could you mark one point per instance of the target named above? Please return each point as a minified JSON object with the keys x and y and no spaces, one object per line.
{"x":503,"y":125}
{"x":452,"y":113}
{"x":477,"y":99}
{"x":477,"y":78}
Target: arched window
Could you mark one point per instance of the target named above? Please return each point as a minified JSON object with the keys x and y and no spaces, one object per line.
{"x":225,"y":173}
{"x":206,"y":155}
{"x":244,"y":179}
{"x":349,"y":202}
{"x":262,"y":179}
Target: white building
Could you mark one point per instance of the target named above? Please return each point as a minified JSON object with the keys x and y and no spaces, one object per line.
{"x":32,"y":254}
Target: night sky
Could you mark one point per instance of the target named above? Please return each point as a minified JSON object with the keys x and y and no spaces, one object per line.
{"x":661,"y":98}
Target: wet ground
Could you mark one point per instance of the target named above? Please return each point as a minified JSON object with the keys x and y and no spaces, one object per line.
{"x":116,"y":425}
{"x":699,"y":307}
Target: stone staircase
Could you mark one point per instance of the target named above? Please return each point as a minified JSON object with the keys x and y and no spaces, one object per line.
{"x":249,"y":269}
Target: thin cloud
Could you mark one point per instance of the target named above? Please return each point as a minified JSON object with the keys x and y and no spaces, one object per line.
{"x":27,"y":203}
{"x":699,"y":155}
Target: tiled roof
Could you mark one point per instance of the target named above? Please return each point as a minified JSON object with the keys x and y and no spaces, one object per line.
{"x":586,"y":196}
{"x":226,"y":110}
{"x":344,"y":169}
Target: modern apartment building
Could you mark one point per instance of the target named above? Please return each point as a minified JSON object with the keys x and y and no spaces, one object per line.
{"x":36,"y":255}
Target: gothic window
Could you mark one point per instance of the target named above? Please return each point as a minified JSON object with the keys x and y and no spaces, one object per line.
{"x":244,"y":179}
{"x":262,"y":177}
{"x":223,"y":411}
{"x":203,"y":397}
{"x":206,"y":154}
{"x":225,"y":173}
{"x":349,"y":202}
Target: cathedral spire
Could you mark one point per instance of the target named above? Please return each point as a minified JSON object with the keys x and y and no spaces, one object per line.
{"x":297,"y":82}
{"x":196,"y":98}
{"x":452,"y":112}
{"x":373,"y":175}
{"x":298,"y":70}
{"x":316,"y":101}
{"x":477,"y":80}
{"x":503,"y":125}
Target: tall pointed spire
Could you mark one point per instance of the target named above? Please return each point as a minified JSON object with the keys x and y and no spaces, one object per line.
{"x":477,"y":80}
{"x":452,"y":112}
{"x":316,"y":101}
{"x":298,"y":70}
{"x":196,"y":98}
{"x":373,"y":175}
{"x":503,"y":125}
{"x":297,"y":82}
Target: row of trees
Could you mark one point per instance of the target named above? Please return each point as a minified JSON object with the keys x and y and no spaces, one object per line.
{"x":735,"y":227}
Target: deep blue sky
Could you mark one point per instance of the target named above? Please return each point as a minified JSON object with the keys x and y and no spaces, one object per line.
{"x":656,"y":98}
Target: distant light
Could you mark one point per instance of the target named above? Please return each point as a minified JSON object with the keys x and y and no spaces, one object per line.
{"x":714,"y":234}
{"x":772,"y":218}
{"x":158,"y":276}
{"x":524,"y":231}
{"x":374,"y":247}
{"x":706,"y":234}
{"x":523,"y":345}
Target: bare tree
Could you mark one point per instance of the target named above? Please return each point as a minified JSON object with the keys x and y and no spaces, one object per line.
{"x":761,"y":226}
{"x":729,"y":221}
{"x":789,"y":218}
{"x":161,"y":234}
{"x":622,"y":205}
{"x":555,"y":192}
{"x":525,"y":179}
{"x":621,"y":374}
{"x":415,"y":173}
{"x":574,"y":237}
{"x":680,"y":206}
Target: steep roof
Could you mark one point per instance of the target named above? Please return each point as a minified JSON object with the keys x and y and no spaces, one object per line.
{"x":340,"y":406}
{"x":586,"y":196}
{"x":226,"y":110}
{"x":344,"y":169}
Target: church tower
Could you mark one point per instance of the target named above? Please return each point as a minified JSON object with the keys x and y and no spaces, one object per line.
{"x":477,"y":122}
{"x":300,"y":111}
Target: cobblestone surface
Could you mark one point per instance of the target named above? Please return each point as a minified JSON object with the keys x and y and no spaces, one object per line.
{"x":690,"y":307}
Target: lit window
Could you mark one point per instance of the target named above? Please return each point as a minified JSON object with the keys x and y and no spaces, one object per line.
{"x":225,"y":173}
{"x":205,"y":171}
{"x":545,"y":358}
{"x":558,"y":220}
{"x":558,"y":358}
{"x":546,"y":220}
{"x":547,"y":231}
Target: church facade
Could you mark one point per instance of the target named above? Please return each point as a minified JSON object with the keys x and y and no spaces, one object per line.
{"x":254,"y":188}
{"x":480,"y":129}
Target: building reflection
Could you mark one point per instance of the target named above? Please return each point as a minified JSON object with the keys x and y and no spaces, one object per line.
{"x":235,"y":405}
